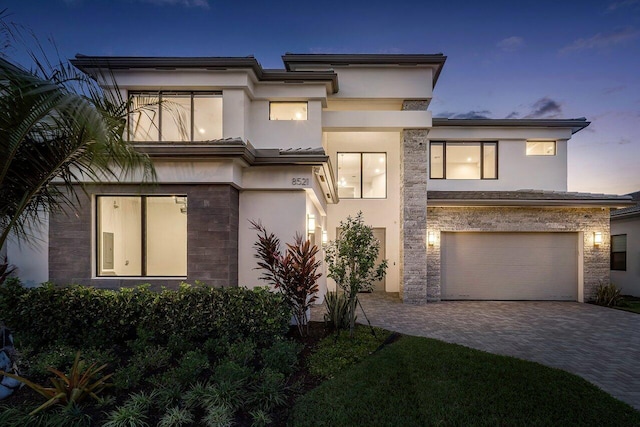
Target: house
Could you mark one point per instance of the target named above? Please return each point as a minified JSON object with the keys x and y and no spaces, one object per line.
{"x":464,"y":209}
{"x":625,"y":247}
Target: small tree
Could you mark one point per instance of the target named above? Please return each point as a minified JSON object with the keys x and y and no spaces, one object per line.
{"x":351,"y":260}
{"x":293,"y":273}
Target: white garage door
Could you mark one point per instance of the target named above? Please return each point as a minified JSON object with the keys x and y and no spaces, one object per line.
{"x":510,"y":266}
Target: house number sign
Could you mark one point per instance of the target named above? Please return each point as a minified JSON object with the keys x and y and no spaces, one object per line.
{"x":299,"y":181}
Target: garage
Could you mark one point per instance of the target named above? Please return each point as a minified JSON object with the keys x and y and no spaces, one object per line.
{"x":509,"y":266}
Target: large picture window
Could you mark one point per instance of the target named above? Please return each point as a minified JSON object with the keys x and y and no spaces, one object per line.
{"x":284,"y":110}
{"x":619,"y":252}
{"x":463,"y":160}
{"x":141,"y":236}
{"x":362,"y":175}
{"x":175,"y":116}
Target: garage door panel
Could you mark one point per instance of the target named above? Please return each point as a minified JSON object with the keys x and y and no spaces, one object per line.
{"x":504,"y":266}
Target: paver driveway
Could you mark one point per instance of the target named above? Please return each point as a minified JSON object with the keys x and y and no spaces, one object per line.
{"x":600,"y":344}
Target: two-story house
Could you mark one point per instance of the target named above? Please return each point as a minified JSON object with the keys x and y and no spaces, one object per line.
{"x":464,"y":209}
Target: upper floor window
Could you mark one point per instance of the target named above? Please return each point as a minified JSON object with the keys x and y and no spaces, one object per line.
{"x":541,"y":148}
{"x":287,"y":110}
{"x":463,"y":160}
{"x":175,"y":116}
{"x":619,"y":252}
{"x":362,"y":175}
{"x":141,"y":235}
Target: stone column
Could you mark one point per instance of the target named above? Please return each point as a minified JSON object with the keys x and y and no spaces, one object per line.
{"x":413,"y":211}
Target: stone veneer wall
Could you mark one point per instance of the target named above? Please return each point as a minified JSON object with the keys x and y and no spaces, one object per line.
{"x":413,"y":215}
{"x":212,"y":237}
{"x":525,"y":219}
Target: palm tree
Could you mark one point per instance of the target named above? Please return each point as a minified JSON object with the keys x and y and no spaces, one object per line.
{"x":58,"y":130}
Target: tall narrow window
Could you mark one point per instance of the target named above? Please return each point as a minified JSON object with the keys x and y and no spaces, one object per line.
{"x":142,"y":236}
{"x":463,"y":160}
{"x":619,"y":252}
{"x":362,"y":175}
{"x":175,"y":116}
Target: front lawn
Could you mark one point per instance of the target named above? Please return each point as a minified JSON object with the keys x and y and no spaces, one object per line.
{"x":421,"y":381}
{"x":630,"y":303}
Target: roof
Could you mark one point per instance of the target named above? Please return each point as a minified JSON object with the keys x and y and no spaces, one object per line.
{"x":88,"y":64}
{"x":525,"y":198}
{"x":630,"y":211}
{"x":575,"y":124}
{"x":293,"y":60}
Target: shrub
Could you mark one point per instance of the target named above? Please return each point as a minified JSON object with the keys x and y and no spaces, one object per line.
{"x":80,"y":316}
{"x":69,"y":389}
{"x":337,"y":310}
{"x":294,"y":273}
{"x":176,"y":417}
{"x":608,"y":295}
{"x":281,"y":357}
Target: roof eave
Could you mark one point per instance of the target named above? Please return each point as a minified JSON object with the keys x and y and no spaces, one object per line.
{"x":575,"y":125}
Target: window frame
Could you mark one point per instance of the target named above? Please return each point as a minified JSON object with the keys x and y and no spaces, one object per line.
{"x":444,"y":159}
{"x":361,"y":173}
{"x":143,"y":235}
{"x":618,"y":268}
{"x":290,"y":102}
{"x":534,"y":141}
{"x":159,"y":94}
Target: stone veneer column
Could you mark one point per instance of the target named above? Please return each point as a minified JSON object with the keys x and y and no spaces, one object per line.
{"x":413,"y":211}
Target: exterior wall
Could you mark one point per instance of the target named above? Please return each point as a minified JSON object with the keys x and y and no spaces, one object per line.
{"x":283,"y":213}
{"x":593,"y":261}
{"x":383,"y":213}
{"x":267,"y":133}
{"x":212,"y":242}
{"x":516,"y":170}
{"x":385,"y":82}
{"x":628,"y":281}
{"x":31,"y":256}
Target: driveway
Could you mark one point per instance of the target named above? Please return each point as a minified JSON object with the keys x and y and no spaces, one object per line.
{"x":600,"y":344}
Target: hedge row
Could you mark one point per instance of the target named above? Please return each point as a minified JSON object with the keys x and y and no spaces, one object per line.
{"x":83,"y":316}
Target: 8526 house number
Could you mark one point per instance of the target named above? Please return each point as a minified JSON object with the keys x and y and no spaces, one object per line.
{"x":299,"y":181}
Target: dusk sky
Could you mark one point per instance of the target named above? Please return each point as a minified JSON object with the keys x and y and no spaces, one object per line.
{"x":542,"y":59}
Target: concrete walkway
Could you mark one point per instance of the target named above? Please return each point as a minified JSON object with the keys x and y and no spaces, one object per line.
{"x":600,"y":344}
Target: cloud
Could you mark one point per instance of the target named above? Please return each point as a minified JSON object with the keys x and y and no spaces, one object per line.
{"x":204,"y":4}
{"x":511,"y":44}
{"x":602,"y":40}
{"x":513,"y":115}
{"x":614,"y":89}
{"x":624,"y":141}
{"x":473,"y":114}
{"x":544,"y":108}
{"x":621,"y":4}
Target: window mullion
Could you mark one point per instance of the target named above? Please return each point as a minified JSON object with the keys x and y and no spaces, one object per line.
{"x":361,"y":175}
{"x":160,"y":107}
{"x":482,"y":160}
{"x":192,"y":114}
{"x":444,"y":160}
{"x":143,"y":230}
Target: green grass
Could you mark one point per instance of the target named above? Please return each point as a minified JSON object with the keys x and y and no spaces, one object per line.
{"x":420,"y":381}
{"x":338,"y":352}
{"x":630,"y":304}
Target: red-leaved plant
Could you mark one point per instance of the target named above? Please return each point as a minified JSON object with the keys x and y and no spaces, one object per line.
{"x":293,"y":273}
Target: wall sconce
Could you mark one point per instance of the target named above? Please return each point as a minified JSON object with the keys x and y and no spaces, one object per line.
{"x":597,"y":238}
{"x":311,"y":224}
{"x":431,"y":238}
{"x":325,"y":237}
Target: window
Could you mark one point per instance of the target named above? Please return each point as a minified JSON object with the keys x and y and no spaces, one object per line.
{"x":141,"y":236}
{"x":362,"y":175}
{"x":463,"y":160}
{"x":619,"y":252}
{"x":175,"y":116}
{"x":541,"y":148}
{"x":287,"y":110}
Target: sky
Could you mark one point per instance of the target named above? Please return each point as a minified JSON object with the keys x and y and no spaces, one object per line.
{"x":506,"y":59}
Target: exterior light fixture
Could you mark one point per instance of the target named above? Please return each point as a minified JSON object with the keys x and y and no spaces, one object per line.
{"x":431,"y":238}
{"x":311,"y":224}
{"x":597,"y":238}
{"x":325,"y":238}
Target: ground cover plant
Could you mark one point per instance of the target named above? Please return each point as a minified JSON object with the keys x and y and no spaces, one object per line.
{"x":421,"y":381}
{"x":629,"y":303}
{"x":192,"y":356}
